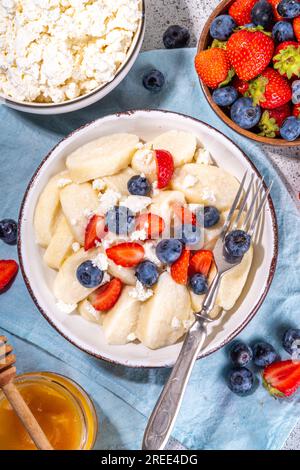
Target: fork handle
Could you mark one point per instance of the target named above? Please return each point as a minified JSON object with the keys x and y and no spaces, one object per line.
{"x":163,"y":417}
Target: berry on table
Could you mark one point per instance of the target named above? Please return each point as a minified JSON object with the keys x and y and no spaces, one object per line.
{"x":154,"y":80}
{"x":262,"y":14}
{"x":8,"y":271}
{"x":237,"y":243}
{"x":212,"y":66}
{"x":241,"y":380}
{"x":198,"y":283}
{"x":8,"y":231}
{"x":175,"y":37}
{"x":282,"y":379}
{"x":241,"y":354}
{"x":139,"y":186}
{"x":291,"y":341}
{"x":222,"y":27}
{"x":264,"y":354}
{"x":120,"y":220}
{"x":211,"y":216}
{"x":245,"y":113}
{"x":225,"y":96}
{"x":283,"y":31}
{"x":147,"y":273}
{"x":89,"y":275}
{"x":169,"y":250}
{"x":289,"y":8}
{"x":290,"y":129}
{"x":296,"y":92}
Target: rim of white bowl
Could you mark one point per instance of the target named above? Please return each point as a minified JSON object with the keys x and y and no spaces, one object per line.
{"x":237,"y":330}
{"x":135,"y":45}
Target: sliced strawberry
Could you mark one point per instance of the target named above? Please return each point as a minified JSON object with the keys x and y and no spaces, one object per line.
{"x":105,"y":297}
{"x":164,"y":168}
{"x":282,"y":379}
{"x":240,"y":11}
{"x":94,"y":231}
{"x":183,"y":214}
{"x":127,"y":254}
{"x":201,"y":262}
{"x":153,"y":224}
{"x":8,"y":270}
{"x":179,"y":269}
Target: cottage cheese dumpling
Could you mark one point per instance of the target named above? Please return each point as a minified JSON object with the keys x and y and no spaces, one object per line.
{"x":56,"y":50}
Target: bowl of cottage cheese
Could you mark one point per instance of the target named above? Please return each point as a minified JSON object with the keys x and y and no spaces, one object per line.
{"x":58,"y":56}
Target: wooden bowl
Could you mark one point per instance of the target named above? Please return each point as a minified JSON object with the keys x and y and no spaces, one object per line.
{"x":205,"y":41}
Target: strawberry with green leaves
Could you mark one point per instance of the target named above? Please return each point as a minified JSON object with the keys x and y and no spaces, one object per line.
{"x":282,"y":379}
{"x":249,"y":52}
{"x":270,"y":90}
{"x":212,"y":66}
{"x":272,"y":120}
{"x":287,"y":59}
{"x":240,"y":11}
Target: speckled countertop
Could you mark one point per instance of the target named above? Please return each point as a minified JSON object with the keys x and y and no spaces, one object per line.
{"x":193,"y":14}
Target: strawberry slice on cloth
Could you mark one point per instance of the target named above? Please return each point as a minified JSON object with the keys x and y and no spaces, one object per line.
{"x":8,"y":271}
{"x":282,"y":379}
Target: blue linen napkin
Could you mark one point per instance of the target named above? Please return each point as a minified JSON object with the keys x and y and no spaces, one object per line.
{"x":211,"y":416}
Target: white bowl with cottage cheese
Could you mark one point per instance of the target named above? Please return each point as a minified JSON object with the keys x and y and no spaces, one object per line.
{"x":58,"y":56}
{"x":146,"y":326}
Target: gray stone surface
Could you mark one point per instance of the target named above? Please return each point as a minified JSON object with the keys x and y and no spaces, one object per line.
{"x":193,"y":14}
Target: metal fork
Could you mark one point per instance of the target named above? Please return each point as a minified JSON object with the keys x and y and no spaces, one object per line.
{"x":163,"y":417}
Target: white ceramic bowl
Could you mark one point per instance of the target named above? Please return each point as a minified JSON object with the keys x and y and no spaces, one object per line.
{"x":88,"y":336}
{"x":93,"y":96}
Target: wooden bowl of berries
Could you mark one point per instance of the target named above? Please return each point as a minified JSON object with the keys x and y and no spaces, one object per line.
{"x":248,"y":63}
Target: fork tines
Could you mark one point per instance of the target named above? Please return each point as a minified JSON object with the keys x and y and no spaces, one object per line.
{"x":252,"y":214}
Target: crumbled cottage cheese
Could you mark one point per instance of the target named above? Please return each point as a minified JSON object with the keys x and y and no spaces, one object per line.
{"x":131,"y":337}
{"x":101,"y":261}
{"x":203,"y":157}
{"x":150,"y":254}
{"x":62,"y":182}
{"x":189,"y":181}
{"x":136,"y":203}
{"x":108,"y":200}
{"x":57,"y":50}
{"x":138,"y":235}
{"x":208,"y":195}
{"x":176,"y":323}
{"x":140,"y":292}
{"x":75,"y":247}
{"x":95,"y":314}
{"x":99,"y":184}
{"x":66,"y":308}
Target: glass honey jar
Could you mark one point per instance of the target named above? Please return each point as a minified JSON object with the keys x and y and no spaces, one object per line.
{"x":63,"y":409}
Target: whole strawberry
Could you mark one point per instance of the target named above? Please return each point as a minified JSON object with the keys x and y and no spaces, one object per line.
{"x":296,"y":26}
{"x":240,"y":11}
{"x":249,"y":52}
{"x":287,"y":59}
{"x":270,"y":90}
{"x":272,"y":120}
{"x":212,"y":66}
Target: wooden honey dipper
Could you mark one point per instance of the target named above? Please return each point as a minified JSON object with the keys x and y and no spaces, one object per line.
{"x":7,"y":374}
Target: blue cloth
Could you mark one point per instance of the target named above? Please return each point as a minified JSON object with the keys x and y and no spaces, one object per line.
{"x":211,"y":416}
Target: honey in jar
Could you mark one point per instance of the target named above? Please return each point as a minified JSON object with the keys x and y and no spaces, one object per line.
{"x":62,"y":408}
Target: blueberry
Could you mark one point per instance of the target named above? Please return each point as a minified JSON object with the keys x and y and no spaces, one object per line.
{"x":290,"y":129}
{"x":296,"y":92}
{"x":147,"y":273}
{"x":190,"y":234}
{"x":249,"y":26}
{"x":89,"y":275}
{"x":176,"y":36}
{"x":241,"y":380}
{"x":262,"y":14}
{"x":199,"y":284}
{"x":139,"y":185}
{"x":169,"y":250}
{"x":237,"y":243}
{"x":245,"y":113}
{"x":225,"y":96}
{"x":283,"y":31}
{"x":289,"y":8}
{"x":211,"y":216}
{"x":222,"y":27}
{"x":8,"y":231}
{"x":154,"y":80}
{"x":264,"y":354}
{"x":291,"y":341}
{"x":241,"y":354}
{"x":120,"y":220}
